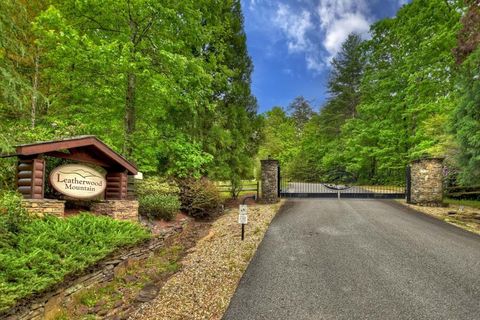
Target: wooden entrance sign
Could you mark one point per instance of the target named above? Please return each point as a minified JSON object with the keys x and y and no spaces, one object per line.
{"x":82,"y":149}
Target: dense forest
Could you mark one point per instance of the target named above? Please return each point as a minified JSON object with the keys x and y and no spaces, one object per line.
{"x":167,"y":84}
{"x":410,"y":91}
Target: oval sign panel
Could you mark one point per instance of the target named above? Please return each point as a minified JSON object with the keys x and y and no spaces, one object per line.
{"x":78,"y":181}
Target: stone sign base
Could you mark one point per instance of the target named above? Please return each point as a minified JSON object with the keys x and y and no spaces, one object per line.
{"x":117,"y":209}
{"x":42,"y":207}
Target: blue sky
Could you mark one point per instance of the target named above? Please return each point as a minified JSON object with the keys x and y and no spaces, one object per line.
{"x":292,"y":41}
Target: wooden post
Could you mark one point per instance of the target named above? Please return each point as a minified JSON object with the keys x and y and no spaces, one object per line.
{"x":117,"y":186}
{"x":31,"y":178}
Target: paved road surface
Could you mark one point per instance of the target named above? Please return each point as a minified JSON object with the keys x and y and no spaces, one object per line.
{"x":360,"y":259}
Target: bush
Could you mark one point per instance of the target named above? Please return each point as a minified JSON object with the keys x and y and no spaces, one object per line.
{"x":162,"y":206}
{"x":155,"y":186}
{"x":12,"y":217}
{"x":158,"y":198}
{"x":200,"y":198}
{"x":46,"y":250}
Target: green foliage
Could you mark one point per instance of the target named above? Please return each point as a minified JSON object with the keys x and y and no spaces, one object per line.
{"x":300,"y":111}
{"x":280,"y":138}
{"x":156,"y":185}
{"x":466,"y":119}
{"x":46,"y":250}
{"x":183,"y":159}
{"x":200,"y":198}
{"x":161,"y":206}
{"x":158,"y":198}
{"x":12,"y":217}
{"x":165,"y":83}
{"x":390,"y":101}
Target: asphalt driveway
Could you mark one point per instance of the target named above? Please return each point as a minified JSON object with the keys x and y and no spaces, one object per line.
{"x":360,"y":259}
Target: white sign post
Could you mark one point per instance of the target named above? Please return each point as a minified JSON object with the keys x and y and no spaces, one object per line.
{"x":243,"y":217}
{"x":243,"y":214}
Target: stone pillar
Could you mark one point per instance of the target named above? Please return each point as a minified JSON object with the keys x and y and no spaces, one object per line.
{"x":270,"y":181}
{"x":427,"y":182}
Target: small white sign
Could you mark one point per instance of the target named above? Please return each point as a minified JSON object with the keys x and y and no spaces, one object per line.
{"x":243,"y":214}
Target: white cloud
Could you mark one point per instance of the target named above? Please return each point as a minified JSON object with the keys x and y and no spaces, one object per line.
{"x":339,"y":30}
{"x":339,"y":18}
{"x":318,"y":30}
{"x":295,"y":27}
{"x":314,"y":63}
{"x":312,"y":29}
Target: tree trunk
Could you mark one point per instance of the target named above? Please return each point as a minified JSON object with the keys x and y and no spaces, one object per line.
{"x":129,"y":124}
{"x":35,"y":91}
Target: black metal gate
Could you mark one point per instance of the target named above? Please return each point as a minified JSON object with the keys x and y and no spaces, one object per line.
{"x":341,"y":184}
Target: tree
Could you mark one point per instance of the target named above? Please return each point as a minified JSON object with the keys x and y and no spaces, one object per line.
{"x":167,"y":83}
{"x":280,"y":138}
{"x":467,"y":114}
{"x":345,"y":78}
{"x":238,"y":124}
{"x":407,"y":91}
{"x":300,"y":111}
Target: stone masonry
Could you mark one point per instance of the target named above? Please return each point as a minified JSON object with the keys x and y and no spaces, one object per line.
{"x":427,"y":182}
{"x":42,"y":207}
{"x":269,"y":181}
{"x":117,"y":209}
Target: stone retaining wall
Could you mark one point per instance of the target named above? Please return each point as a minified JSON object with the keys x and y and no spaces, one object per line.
{"x":427,"y":182}
{"x":49,"y":304}
{"x":117,"y":209}
{"x":42,"y":207}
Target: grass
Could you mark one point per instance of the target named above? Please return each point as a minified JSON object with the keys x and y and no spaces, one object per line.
{"x":467,"y":203}
{"x":45,"y":250}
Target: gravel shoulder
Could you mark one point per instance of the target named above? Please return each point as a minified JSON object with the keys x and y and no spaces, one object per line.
{"x":210,"y":273}
{"x":464,"y":217}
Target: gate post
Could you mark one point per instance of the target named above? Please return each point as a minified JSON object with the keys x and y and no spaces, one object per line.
{"x":427,"y":182}
{"x":270,"y":180}
{"x":408,"y":184}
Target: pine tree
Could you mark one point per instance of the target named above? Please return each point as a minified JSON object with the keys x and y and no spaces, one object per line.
{"x":301,"y":112}
{"x":344,"y":82}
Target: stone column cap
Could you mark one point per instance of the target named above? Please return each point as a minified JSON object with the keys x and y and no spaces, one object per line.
{"x":43,"y":200}
{"x":269,"y":160}
{"x":429,"y":158}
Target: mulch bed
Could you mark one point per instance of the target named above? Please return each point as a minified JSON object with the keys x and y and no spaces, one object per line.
{"x":210,"y":273}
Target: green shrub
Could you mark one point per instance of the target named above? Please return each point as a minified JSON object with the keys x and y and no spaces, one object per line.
{"x":162,"y":206}
{"x":158,"y":198}
{"x":12,"y":217}
{"x":46,"y":250}
{"x":200,"y":198}
{"x":155,"y":186}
